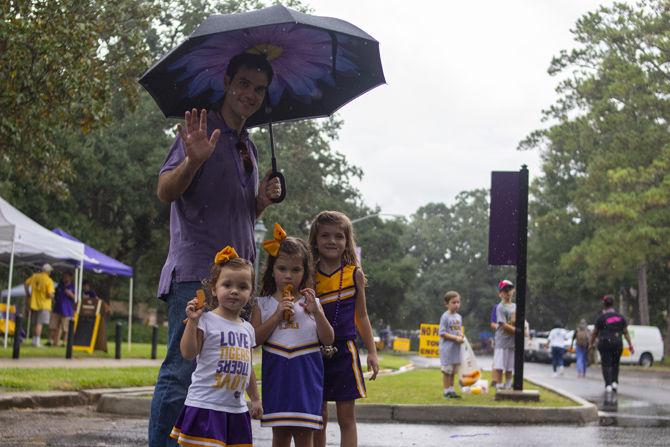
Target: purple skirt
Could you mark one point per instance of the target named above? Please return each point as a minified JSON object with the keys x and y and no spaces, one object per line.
{"x":198,"y":426}
{"x":343,"y":376}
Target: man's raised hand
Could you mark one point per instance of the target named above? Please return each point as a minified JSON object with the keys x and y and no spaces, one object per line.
{"x":194,"y":134}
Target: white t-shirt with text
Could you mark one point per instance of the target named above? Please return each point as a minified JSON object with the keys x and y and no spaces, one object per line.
{"x":223,"y":365}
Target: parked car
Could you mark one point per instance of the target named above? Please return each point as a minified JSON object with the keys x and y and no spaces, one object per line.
{"x":648,"y":345}
{"x":537,"y":348}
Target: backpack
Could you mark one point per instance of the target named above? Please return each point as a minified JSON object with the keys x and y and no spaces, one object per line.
{"x":582,"y":338}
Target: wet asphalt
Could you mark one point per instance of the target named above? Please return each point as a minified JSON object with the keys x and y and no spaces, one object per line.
{"x":82,"y":426}
{"x":638,"y":416}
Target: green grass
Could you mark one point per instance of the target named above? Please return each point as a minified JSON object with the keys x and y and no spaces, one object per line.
{"x":138,"y":350}
{"x":44,"y":379}
{"x":391,"y":361}
{"x":424,"y":386}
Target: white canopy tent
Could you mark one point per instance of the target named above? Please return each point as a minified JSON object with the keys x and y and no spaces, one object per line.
{"x":24,"y":241}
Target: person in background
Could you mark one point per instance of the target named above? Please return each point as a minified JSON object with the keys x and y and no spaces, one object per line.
{"x":503,"y":354}
{"x":40,"y":288}
{"x":580,"y":340}
{"x":86,"y":290}
{"x":556,"y":340}
{"x":493,"y":323}
{"x":610,"y":326}
{"x":451,"y":339}
{"x":63,"y":310}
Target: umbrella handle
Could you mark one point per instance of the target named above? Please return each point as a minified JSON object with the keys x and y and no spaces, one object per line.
{"x":282,"y":183}
{"x":275,"y":172}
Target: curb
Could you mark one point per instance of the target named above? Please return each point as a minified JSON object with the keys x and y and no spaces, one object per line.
{"x":135,"y":402}
{"x":131,"y":404}
{"x":45,"y":399}
{"x":51,"y":399}
{"x":581,"y":414}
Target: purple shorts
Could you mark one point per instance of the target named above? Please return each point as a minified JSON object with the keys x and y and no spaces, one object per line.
{"x":343,"y":376}
{"x":198,"y":426}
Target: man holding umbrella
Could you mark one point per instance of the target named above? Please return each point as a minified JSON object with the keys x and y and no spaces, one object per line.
{"x":305,"y":66}
{"x":210,"y":177}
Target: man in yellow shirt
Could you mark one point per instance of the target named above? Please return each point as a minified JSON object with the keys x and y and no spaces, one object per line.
{"x":41,"y":293}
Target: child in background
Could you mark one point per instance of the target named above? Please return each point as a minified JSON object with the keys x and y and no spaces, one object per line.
{"x":503,"y":353}
{"x":340,"y":286}
{"x":292,"y":362}
{"x":215,"y":412}
{"x":451,"y":338}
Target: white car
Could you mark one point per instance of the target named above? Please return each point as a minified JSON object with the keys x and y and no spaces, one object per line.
{"x":648,"y":345}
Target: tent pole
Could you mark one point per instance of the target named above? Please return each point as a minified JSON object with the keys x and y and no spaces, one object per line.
{"x":130,"y":313}
{"x":81,"y":280}
{"x":76,"y":283}
{"x":17,"y":330}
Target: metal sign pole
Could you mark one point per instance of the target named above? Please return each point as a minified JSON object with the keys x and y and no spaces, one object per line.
{"x":519,"y":335}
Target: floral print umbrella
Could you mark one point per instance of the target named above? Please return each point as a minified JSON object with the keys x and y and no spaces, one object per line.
{"x":320,"y":64}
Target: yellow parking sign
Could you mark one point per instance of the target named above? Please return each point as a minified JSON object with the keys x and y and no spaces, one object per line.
{"x":429,"y":340}
{"x":401,"y":344}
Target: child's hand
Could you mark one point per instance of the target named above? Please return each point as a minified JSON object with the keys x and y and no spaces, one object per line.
{"x":192,"y":311}
{"x":256,"y":410}
{"x":311,"y":305}
{"x":285,"y":304}
{"x":373,"y":364}
{"x":461,"y":339}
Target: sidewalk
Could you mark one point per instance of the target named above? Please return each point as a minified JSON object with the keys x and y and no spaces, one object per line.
{"x":50,"y":362}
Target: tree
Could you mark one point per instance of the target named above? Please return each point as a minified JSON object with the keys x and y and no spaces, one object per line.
{"x":389,"y":270}
{"x":450,"y":244}
{"x":317,"y":178}
{"x":61,"y":64}
{"x":605,"y":159}
{"x":108,"y":196}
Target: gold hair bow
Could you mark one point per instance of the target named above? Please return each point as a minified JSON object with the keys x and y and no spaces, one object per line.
{"x":226,"y":254}
{"x":272,"y":246}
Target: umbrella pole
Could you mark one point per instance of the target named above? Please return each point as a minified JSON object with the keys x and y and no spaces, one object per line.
{"x":272,"y":149}
{"x":276,"y":173}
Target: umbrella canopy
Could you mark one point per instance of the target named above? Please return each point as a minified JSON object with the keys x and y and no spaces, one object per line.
{"x":319,"y":63}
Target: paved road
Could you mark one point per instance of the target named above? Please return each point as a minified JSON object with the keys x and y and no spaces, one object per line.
{"x":83,"y":427}
{"x":642,"y":395}
{"x":640,"y":419}
{"x":643,"y":398}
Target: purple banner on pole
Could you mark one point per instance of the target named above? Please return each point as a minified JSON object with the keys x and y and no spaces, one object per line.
{"x":504,"y":218}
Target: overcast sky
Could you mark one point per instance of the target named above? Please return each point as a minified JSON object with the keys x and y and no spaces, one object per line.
{"x":466,"y":81}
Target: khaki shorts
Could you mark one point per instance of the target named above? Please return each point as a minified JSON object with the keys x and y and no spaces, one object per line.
{"x":58,"y":321}
{"x":450,"y":369}
{"x":40,"y":316}
{"x":503,"y":359}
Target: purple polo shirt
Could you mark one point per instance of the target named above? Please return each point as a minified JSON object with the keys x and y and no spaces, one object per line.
{"x":63,"y":304}
{"x":217,"y":209}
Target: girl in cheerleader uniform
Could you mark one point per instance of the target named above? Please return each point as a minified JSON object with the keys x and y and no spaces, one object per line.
{"x":340,"y":287}
{"x":290,"y":326}
{"x":215,"y":412}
